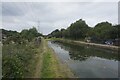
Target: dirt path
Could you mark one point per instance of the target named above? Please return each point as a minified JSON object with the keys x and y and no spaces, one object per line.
{"x":39,"y":61}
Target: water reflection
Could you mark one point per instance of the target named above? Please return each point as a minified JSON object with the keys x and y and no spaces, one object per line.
{"x":87,"y":61}
{"x":82,"y":52}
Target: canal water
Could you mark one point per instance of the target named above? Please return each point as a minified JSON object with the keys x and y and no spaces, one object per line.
{"x":86,"y":61}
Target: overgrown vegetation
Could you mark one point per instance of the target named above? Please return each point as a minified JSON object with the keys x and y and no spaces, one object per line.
{"x":79,"y":30}
{"x":24,"y":36}
{"x":24,"y":59}
{"x":16,"y":59}
{"x":18,"y":52}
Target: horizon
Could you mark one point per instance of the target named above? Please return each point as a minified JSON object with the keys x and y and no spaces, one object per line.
{"x":55,"y":29}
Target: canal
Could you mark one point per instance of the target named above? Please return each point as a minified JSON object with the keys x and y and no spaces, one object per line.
{"x":87,"y":61}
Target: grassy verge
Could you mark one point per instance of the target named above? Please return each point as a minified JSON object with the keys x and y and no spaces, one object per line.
{"x":46,"y":70}
{"x":51,"y":67}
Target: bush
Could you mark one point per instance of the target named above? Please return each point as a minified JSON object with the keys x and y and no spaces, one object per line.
{"x":16,"y":59}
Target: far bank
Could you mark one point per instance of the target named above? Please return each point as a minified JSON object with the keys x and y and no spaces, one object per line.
{"x":75,"y":42}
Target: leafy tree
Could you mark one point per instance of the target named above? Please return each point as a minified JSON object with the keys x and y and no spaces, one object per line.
{"x":102,"y":30}
{"x":78,"y":29}
{"x":30,"y":34}
{"x":62,"y":33}
{"x":55,"y":33}
{"x":115,"y":33}
{"x":24,"y":33}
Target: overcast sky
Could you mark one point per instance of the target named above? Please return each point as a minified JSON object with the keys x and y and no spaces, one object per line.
{"x":53,"y":15}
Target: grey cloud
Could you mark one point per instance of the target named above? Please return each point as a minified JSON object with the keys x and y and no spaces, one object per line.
{"x":13,"y":9}
{"x":22,"y":15}
{"x":119,"y":12}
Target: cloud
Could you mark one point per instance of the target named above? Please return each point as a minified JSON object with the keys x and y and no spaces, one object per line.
{"x":12,"y":9}
{"x":0,"y":15}
{"x":119,"y":12}
{"x":59,"y":0}
{"x":53,"y":15}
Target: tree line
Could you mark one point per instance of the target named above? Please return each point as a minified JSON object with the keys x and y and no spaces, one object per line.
{"x":79,"y":30}
{"x":26,"y":35}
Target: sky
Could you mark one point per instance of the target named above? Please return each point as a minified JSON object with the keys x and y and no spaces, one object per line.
{"x":55,"y":15}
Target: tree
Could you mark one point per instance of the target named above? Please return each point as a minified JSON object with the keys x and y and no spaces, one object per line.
{"x":55,"y":33}
{"x":78,"y":29}
{"x":115,"y":33}
{"x":103,"y":30}
{"x":30,"y":34}
{"x":24,"y":33}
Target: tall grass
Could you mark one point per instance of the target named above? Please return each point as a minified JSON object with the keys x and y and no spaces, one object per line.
{"x":16,"y":60}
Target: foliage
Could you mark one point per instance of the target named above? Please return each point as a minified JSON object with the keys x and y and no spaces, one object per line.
{"x":18,"y":51}
{"x":102,"y":30}
{"x":80,"y":30}
{"x":30,"y":34}
{"x":22,"y":37}
{"x":76,"y":30}
{"x":56,"y":33}
{"x":16,"y":60}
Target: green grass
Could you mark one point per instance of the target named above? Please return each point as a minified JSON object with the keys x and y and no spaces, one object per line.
{"x":46,"y":68}
{"x":51,"y":67}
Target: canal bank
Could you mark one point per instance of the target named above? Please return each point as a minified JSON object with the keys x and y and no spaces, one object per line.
{"x":110,"y":47}
{"x":51,"y":67}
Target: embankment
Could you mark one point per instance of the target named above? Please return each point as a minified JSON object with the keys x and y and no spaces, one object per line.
{"x":51,"y":66}
{"x":111,"y":47}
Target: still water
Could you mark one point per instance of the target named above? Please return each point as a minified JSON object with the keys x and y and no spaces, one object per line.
{"x":86,"y":61}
